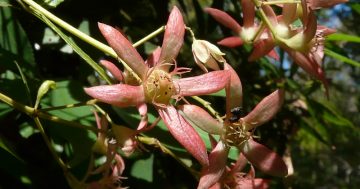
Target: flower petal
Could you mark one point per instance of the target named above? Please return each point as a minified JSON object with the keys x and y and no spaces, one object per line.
{"x":119,"y":95}
{"x":253,"y":183}
{"x":311,"y":26}
{"x":289,"y":13}
{"x":201,"y":119}
{"x":153,"y":57}
{"x":231,"y":42}
{"x":114,"y":70}
{"x":265,"y":110}
{"x":184,"y":133}
{"x":261,"y":48}
{"x":124,"y":49}
{"x":204,"y":84}
{"x":224,"y":19}
{"x":235,"y":96}
{"x":248,"y":8}
{"x":173,"y":37}
{"x":125,"y":138}
{"x":217,"y":164}
{"x":264,"y":159}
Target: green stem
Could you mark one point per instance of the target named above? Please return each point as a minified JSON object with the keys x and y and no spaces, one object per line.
{"x":48,"y":144}
{"x":72,"y":29}
{"x":148,"y":37}
{"x":101,"y":46}
{"x":191,"y":33}
{"x":21,"y":107}
{"x":87,"y":103}
{"x":156,"y":142}
{"x":275,"y":2}
{"x":207,"y":105}
{"x":32,"y":112}
{"x":28,"y":94}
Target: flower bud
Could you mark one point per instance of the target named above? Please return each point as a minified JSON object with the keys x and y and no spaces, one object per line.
{"x":207,"y":55}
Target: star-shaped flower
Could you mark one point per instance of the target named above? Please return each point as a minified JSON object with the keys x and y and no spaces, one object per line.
{"x":158,"y":86}
{"x":237,"y":131}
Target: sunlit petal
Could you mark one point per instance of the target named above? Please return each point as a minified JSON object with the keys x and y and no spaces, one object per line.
{"x":184,"y":133}
{"x":124,"y":49}
{"x":264,"y":159}
{"x":217,"y":165}
{"x":119,"y":95}
{"x":201,"y":119}
{"x":224,"y":19}
{"x":173,"y":37}
{"x":265,"y":110}
{"x":204,"y":84}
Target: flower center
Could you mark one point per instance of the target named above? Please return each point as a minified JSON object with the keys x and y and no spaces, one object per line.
{"x":159,"y":87}
{"x":235,"y":134}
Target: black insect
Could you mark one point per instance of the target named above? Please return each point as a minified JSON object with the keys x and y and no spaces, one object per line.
{"x":237,"y":113}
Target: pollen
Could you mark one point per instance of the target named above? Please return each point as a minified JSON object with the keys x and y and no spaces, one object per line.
{"x":159,"y":87}
{"x":235,"y":134}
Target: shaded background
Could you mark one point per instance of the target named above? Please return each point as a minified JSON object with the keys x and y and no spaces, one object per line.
{"x":320,"y":135}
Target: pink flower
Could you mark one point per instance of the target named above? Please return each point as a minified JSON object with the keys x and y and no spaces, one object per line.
{"x":157,"y":85}
{"x":237,"y":131}
{"x":305,"y":45}
{"x":114,"y":166}
{"x":245,"y":33}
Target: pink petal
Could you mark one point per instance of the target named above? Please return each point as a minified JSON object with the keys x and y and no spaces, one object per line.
{"x":265,"y":110}
{"x":224,"y":19}
{"x":311,"y":26}
{"x":253,"y":184}
{"x":204,"y":84}
{"x":173,"y":37}
{"x":234,"y":96}
{"x":264,"y":159}
{"x":307,"y":63}
{"x":263,"y":47}
{"x":124,"y":49}
{"x":217,"y":164}
{"x":248,"y":8}
{"x":238,"y":166}
{"x":142,"y":108}
{"x":153,"y":58}
{"x":201,"y":119}
{"x":125,"y":138}
{"x":231,"y":42}
{"x":289,"y":13}
{"x":184,"y":133}
{"x":119,"y":95}
{"x":114,"y":70}
{"x":270,"y":14}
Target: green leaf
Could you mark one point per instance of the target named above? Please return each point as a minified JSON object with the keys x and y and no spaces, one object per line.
{"x":78,"y":50}
{"x":343,"y":37}
{"x":14,"y":44}
{"x":143,"y":169}
{"x":68,"y":92}
{"x":3,"y":145}
{"x":341,"y":58}
{"x":220,"y":93}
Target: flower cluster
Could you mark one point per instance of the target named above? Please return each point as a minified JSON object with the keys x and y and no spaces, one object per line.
{"x":304,"y":43}
{"x":160,"y":81}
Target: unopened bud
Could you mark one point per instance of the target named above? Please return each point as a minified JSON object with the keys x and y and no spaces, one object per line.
{"x":207,"y":55}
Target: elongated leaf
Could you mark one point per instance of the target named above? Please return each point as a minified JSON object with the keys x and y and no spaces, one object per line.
{"x":343,"y":37}
{"x":341,"y":58}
